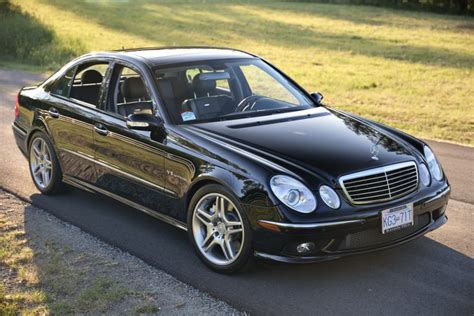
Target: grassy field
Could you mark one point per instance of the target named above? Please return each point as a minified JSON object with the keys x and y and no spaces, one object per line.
{"x":411,"y":70}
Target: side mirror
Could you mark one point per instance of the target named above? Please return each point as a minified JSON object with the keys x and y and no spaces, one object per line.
{"x":317,"y":97}
{"x":144,"y":122}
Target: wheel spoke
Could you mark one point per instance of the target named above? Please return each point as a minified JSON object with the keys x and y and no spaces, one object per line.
{"x":234,"y":231}
{"x":46,"y":177}
{"x":220,"y":205}
{"x":42,"y":148}
{"x":204,"y":217}
{"x":233,"y":224}
{"x":47,"y":164}
{"x":36,"y":152}
{"x":227,"y":249}
{"x":210,"y":244}
{"x":37,"y":170}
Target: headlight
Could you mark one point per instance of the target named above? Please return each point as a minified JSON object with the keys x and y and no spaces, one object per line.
{"x":424,"y":175}
{"x":433,"y":164}
{"x":293,"y":194}
{"x":329,"y":196}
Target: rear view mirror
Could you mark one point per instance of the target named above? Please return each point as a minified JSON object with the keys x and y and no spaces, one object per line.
{"x":144,"y":122}
{"x":317,"y":97}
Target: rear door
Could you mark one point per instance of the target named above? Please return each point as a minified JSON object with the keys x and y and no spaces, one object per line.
{"x":130,"y":164}
{"x":72,"y":112}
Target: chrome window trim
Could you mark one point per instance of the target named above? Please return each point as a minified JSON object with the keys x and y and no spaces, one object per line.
{"x":373,"y":171}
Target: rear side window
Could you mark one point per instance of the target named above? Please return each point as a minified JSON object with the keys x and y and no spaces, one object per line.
{"x":62,"y":86}
{"x":87,"y":83}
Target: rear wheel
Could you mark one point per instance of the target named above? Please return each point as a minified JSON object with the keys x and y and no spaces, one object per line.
{"x":44,"y":166}
{"x":219,"y":230}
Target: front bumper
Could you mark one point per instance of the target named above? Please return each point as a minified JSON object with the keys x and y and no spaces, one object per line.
{"x":336,"y":239}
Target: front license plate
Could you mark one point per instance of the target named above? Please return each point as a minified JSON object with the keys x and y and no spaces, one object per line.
{"x":397,"y":217}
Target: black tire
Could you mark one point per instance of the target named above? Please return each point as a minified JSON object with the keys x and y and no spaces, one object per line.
{"x":55,"y":185}
{"x":244,"y":259}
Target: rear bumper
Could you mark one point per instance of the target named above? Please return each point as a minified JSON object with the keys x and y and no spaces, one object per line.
{"x":20,"y":138}
{"x":337,"y":239}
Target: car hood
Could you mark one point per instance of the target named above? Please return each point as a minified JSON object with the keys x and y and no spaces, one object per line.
{"x":320,"y":140}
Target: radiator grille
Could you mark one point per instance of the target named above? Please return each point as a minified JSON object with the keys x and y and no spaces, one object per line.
{"x":380,"y":184}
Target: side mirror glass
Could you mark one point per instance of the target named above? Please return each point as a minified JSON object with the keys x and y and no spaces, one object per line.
{"x":144,"y":122}
{"x":317,"y":97}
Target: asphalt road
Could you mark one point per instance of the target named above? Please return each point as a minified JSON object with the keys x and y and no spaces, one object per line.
{"x":432,"y":275}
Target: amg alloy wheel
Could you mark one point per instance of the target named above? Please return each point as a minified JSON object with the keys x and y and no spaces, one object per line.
{"x":40,"y":162}
{"x":44,"y":166}
{"x":219,"y":231}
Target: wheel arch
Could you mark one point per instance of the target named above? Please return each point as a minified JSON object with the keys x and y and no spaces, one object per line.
{"x":40,"y":125}
{"x":200,"y":183}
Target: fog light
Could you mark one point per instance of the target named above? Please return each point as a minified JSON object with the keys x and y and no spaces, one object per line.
{"x":305,"y":247}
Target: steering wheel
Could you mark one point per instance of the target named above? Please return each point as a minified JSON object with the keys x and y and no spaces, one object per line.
{"x":248,"y":103}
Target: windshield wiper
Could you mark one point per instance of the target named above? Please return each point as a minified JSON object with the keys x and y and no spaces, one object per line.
{"x":258,"y":113}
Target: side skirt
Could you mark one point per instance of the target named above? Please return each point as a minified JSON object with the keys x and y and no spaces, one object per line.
{"x":92,"y":188}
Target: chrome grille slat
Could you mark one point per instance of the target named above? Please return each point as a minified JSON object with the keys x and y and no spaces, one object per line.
{"x":401,"y":190}
{"x":372,"y":196}
{"x":407,"y":183}
{"x":391,"y":173}
{"x":382,"y":176}
{"x":380,"y":184}
{"x":413,"y":177}
{"x":383,"y":182}
{"x":369,"y":192}
{"x":402,"y":175}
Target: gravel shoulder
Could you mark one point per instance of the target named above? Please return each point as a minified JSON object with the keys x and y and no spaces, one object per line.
{"x":49,"y":266}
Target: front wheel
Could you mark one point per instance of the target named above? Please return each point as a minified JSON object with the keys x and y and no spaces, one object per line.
{"x":44,"y":166}
{"x":219,"y":229}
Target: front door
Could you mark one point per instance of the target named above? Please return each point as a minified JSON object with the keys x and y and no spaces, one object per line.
{"x":129,"y":163}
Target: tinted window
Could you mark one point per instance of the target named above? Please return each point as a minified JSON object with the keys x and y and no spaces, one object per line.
{"x":129,"y":94}
{"x":217,"y":90}
{"x":88,"y":81}
{"x":62,"y":86}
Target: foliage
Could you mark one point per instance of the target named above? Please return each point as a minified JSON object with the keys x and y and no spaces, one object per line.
{"x":411,"y":70}
{"x":439,"y":6}
{"x":25,"y":39}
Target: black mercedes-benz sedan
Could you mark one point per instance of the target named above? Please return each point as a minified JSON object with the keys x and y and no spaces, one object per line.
{"x":222,"y":144}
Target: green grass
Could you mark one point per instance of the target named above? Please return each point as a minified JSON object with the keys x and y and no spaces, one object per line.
{"x":411,"y":70}
{"x":24,"y":39}
{"x":44,"y":279}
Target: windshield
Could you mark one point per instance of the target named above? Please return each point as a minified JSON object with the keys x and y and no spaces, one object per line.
{"x":222,"y":90}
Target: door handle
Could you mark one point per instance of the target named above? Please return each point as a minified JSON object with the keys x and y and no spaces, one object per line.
{"x":53,"y":112}
{"x":101,"y":129}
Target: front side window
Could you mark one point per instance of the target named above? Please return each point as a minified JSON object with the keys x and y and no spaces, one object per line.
{"x":220,"y":90}
{"x":128,"y":93}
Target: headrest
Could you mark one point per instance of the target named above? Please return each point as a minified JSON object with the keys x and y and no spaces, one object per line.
{"x":91,"y":76}
{"x":133,"y":88}
{"x":202,"y":87}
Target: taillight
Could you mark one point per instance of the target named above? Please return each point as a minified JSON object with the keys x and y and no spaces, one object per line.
{"x":17,"y":107}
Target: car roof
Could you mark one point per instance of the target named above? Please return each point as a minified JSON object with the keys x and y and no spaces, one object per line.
{"x":155,"y":57}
